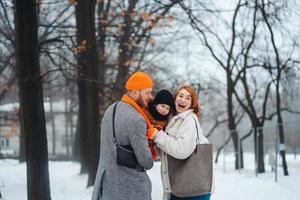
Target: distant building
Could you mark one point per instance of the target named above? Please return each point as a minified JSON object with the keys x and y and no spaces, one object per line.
{"x":9,"y":129}
{"x":64,"y":127}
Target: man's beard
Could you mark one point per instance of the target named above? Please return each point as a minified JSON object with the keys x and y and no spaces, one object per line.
{"x":140,"y":102}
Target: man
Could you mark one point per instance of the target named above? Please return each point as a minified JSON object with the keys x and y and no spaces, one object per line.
{"x":115,"y":182}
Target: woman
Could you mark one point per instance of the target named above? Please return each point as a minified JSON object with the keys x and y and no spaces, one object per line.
{"x":179,"y":138}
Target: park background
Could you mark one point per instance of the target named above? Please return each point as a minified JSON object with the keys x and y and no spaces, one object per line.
{"x":62,"y":63}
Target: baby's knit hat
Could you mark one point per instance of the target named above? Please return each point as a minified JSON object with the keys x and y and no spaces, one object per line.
{"x":164,"y":97}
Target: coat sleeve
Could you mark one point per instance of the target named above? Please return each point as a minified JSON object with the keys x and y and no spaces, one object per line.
{"x":183,"y":144}
{"x":139,"y":143}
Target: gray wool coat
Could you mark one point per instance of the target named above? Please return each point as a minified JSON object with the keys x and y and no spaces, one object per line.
{"x":114,"y":182}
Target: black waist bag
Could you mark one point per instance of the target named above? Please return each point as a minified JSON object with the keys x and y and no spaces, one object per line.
{"x":125,"y":153}
{"x":126,"y":157}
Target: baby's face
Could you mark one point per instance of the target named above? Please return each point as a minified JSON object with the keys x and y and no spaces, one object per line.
{"x":163,"y":109}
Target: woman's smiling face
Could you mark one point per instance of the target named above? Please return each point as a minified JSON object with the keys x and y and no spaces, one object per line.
{"x":183,"y":101}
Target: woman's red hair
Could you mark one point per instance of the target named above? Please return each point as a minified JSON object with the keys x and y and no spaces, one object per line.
{"x":194,"y":104}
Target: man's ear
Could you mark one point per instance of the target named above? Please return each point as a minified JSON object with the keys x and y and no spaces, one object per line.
{"x":135,"y":93}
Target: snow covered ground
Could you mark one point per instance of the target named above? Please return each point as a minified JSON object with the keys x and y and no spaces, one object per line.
{"x":67,"y":184}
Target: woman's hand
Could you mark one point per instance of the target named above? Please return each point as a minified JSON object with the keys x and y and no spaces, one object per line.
{"x":158,"y":127}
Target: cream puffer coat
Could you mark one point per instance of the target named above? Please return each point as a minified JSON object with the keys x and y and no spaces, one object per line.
{"x":178,"y":140}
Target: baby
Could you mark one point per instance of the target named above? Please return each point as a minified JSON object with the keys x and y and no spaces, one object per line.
{"x":158,"y":113}
{"x":160,"y":108}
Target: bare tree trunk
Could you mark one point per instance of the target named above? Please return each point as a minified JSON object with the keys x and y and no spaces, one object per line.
{"x":259,"y":140}
{"x":67,"y":128}
{"x":102,"y":13}
{"x":281,"y":130}
{"x":222,"y":147}
{"x":31,"y":100}
{"x":77,"y":144}
{"x":231,"y":120}
{"x":124,"y":51}
{"x":279,"y":69}
{"x":241,"y":158}
{"x":22,"y":153}
{"x":88,"y":87}
{"x":241,"y":140}
{"x":72,"y":134}
{"x":52,"y":125}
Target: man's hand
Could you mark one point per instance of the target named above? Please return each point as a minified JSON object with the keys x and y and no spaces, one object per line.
{"x":154,"y":134}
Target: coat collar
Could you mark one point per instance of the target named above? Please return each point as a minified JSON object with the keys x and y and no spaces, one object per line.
{"x":184,"y":114}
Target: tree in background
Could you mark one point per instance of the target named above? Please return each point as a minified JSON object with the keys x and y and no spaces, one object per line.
{"x":31,"y":100}
{"x":224,"y":59}
{"x":236,"y":42}
{"x":135,"y":35}
{"x":125,"y":36}
{"x":281,"y":58}
{"x":7,"y":61}
{"x":89,"y":122}
{"x":8,"y":75}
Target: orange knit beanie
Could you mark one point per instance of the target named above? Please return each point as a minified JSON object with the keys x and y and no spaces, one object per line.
{"x":138,"y":81}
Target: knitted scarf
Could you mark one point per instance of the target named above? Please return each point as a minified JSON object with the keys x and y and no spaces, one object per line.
{"x":150,"y":129}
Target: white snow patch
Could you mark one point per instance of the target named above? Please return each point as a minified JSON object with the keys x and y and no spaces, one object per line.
{"x":67,"y":184}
